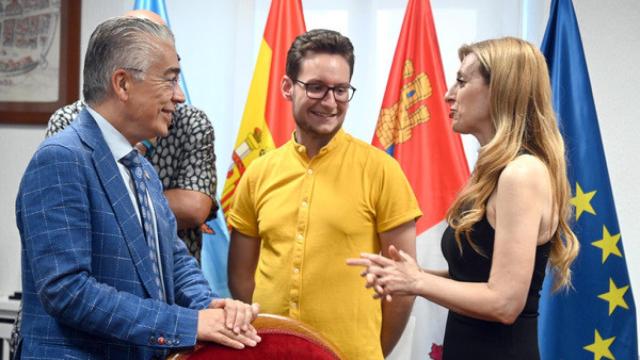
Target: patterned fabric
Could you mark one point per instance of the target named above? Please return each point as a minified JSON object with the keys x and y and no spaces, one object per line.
{"x":311,"y":215}
{"x":133,"y":163}
{"x":184,"y":159}
{"x":88,"y":284}
{"x":15,"y":333}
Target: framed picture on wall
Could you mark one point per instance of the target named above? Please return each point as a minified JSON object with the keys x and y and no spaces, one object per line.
{"x":39,"y":58}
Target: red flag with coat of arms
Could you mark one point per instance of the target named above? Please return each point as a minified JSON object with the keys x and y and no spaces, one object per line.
{"x":414,"y":127}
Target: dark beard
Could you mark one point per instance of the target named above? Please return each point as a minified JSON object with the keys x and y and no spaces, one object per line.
{"x":321,"y":138}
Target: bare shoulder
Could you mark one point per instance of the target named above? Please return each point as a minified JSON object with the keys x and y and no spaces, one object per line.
{"x":525,"y":172}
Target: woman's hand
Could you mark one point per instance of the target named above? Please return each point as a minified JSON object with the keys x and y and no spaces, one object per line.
{"x":397,"y":275}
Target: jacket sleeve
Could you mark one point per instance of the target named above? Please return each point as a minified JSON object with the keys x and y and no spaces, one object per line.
{"x":55,"y":220}
{"x":191,"y":288}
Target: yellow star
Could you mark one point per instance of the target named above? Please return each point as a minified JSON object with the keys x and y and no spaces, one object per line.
{"x":608,"y":244}
{"x":600,"y":347}
{"x":615,"y":296}
{"x":582,"y":201}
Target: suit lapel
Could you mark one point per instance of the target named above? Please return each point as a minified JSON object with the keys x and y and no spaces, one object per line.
{"x":118,"y":196}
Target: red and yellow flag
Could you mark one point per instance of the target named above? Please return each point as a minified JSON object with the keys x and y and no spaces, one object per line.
{"x":267,"y":120}
{"x":413,"y":125}
{"x":414,"y":128}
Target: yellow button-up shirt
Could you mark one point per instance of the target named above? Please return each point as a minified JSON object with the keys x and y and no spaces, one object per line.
{"x":313,"y":214}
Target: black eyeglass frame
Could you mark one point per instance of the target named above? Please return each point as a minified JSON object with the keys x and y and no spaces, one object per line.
{"x":332,"y":88}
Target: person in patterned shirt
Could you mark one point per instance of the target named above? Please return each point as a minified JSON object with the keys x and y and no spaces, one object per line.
{"x":184,"y":160}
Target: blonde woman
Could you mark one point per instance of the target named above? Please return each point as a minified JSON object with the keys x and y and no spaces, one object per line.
{"x":509,"y":220}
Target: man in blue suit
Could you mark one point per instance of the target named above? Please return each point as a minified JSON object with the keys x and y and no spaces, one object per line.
{"x":104,"y":275}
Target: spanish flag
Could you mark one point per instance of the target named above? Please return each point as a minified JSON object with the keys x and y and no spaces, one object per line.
{"x":267,"y":119}
{"x":414,"y":127}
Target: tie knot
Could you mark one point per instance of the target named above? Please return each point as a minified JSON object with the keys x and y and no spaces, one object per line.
{"x":132,"y":160}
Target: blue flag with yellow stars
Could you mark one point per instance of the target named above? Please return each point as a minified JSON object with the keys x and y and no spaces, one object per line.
{"x":597,"y":319}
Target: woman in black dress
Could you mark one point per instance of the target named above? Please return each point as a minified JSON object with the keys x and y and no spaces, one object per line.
{"x":510,"y":218}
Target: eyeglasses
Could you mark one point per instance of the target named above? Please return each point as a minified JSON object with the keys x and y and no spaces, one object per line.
{"x":172,"y":82}
{"x":317,"y":91}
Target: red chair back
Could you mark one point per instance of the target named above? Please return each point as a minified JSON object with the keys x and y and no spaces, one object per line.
{"x":282,"y":338}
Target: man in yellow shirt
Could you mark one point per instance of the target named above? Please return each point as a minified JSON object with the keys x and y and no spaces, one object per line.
{"x":300,"y":211}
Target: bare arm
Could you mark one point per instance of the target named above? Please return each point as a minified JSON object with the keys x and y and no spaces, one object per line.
{"x":190,"y":207}
{"x":395,"y":313}
{"x":521,"y":196}
{"x":440,"y":273}
{"x":243,"y":260}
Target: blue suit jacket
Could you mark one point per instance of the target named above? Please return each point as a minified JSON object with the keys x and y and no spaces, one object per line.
{"x":87,"y":280}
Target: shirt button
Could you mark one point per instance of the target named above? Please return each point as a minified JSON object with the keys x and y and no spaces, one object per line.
{"x":296,"y":270}
{"x":299,"y":237}
{"x":294,"y":305}
{"x":309,"y":171}
{"x":300,"y":149}
{"x":305,"y":204}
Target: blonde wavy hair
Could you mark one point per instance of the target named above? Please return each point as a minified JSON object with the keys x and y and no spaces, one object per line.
{"x":524,"y":121}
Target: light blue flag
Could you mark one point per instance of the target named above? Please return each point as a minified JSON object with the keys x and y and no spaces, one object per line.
{"x":215,"y":252}
{"x":159,"y":7}
{"x":597,"y":319}
{"x":215,"y":237}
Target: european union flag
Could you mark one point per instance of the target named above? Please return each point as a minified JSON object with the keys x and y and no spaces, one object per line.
{"x":597,"y":319}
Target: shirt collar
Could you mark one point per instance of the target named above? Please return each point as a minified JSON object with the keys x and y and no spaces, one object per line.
{"x":116,"y":142}
{"x":338,"y":139}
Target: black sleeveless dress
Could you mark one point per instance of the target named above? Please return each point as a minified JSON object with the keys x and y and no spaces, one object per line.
{"x":469,"y":338}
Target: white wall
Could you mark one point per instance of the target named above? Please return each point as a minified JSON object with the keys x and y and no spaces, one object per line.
{"x":17,"y":145}
{"x":218,"y":43}
{"x":611,"y":34}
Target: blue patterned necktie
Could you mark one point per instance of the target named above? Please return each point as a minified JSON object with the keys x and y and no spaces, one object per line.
{"x":133,"y":162}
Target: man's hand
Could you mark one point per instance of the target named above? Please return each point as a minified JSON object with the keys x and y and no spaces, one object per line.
{"x":238,"y":315}
{"x":212,"y":327}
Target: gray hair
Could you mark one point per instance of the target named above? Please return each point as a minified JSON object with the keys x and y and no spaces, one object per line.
{"x":120,"y":43}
